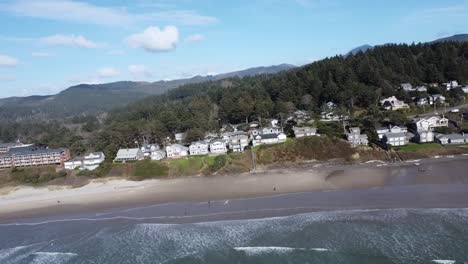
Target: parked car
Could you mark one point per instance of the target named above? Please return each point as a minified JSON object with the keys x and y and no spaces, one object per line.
{"x":455,"y":111}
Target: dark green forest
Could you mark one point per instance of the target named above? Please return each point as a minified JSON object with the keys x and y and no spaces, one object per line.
{"x":355,"y":82}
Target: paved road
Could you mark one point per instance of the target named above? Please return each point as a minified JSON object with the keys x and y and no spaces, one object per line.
{"x":441,"y":110}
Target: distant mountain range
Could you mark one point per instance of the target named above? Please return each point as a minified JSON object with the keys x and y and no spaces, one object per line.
{"x":364,"y":48}
{"x":92,"y":99}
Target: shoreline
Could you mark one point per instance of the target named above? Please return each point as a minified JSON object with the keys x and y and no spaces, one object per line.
{"x":340,"y":182}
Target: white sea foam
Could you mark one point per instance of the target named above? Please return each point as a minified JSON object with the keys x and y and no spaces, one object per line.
{"x":278,"y":250}
{"x":443,"y":261}
{"x":320,"y":249}
{"x":52,"y":257}
{"x":262,"y":250}
{"x":8,"y":252}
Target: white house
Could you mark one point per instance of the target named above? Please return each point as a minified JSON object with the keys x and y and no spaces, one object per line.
{"x":92,"y":160}
{"x":451,"y":139}
{"x":176,"y":151}
{"x":133,"y":154}
{"x":392,"y":103}
{"x":424,"y":136}
{"x":148,"y":149}
{"x":300,"y":132}
{"x":355,"y":137}
{"x":199,"y":148}
{"x":394,"y":135}
{"x":266,"y":130}
{"x":158,"y":154}
{"x":266,"y":139}
{"x":430,"y":123}
{"x":238,"y":143}
{"x":73,"y":163}
{"x":218,"y":146}
{"x":465,"y":89}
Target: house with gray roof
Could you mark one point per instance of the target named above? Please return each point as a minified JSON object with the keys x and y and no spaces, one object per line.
{"x":452,"y":139}
{"x":131,"y":154}
{"x":355,"y":137}
{"x":199,"y":148}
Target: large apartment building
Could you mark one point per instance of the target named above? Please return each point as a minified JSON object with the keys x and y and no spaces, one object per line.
{"x":32,"y":156}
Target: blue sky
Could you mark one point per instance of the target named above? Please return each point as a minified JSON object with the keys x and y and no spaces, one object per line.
{"x":49,"y":45}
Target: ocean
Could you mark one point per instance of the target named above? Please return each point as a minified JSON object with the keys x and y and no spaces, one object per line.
{"x":354,"y":236}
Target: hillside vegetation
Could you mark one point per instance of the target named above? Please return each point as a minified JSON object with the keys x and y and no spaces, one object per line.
{"x":354,"y":83}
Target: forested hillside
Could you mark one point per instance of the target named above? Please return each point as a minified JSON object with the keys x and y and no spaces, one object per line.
{"x":355,"y":82}
{"x":92,"y":99}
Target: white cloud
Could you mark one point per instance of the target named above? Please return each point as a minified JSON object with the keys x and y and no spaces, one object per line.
{"x":81,"y":12}
{"x":195,"y":38}
{"x":139,"y":70}
{"x":70,"y":11}
{"x":69,"y":40}
{"x":40,"y":54}
{"x":6,"y":60}
{"x":107,"y":72}
{"x":184,"y":17}
{"x":154,"y":39}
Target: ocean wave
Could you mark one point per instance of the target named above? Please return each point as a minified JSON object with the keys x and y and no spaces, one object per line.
{"x":8,"y":252}
{"x":444,"y":261}
{"x":266,"y":250}
{"x":52,"y":257}
{"x":278,"y":250}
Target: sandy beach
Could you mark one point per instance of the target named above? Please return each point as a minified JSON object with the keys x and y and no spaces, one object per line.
{"x":343,"y":187}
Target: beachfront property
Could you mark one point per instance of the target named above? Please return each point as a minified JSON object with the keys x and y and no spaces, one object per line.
{"x":300,"y":132}
{"x":147,"y":149}
{"x":31,"y":156}
{"x":449,"y":139}
{"x":199,"y":148}
{"x":88,"y":162}
{"x":394,"y":135}
{"x":176,"y":151}
{"x":266,"y":130}
{"x":158,"y":154}
{"x":392,"y":103}
{"x":238,"y":142}
{"x":430,"y":123}
{"x":424,"y":127}
{"x":218,"y":146}
{"x":5,"y":147}
{"x":124,"y":155}
{"x":355,"y":137}
{"x":267,"y":136}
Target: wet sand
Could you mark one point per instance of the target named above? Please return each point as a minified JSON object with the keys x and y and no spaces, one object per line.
{"x":432,"y":183}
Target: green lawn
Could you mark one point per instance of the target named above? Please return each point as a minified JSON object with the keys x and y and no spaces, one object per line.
{"x":416,"y":147}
